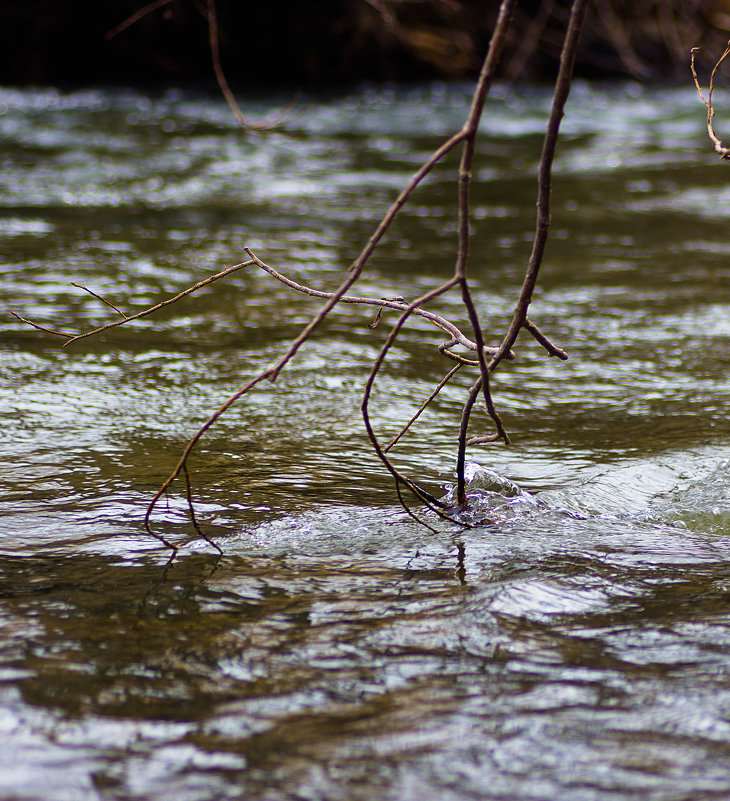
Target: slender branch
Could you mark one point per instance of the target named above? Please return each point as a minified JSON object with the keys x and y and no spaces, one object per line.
{"x":358,"y":265}
{"x":463,"y":441}
{"x":458,"y":338}
{"x":720,"y":149}
{"x":464,"y":182}
{"x":43,"y":328}
{"x":100,"y":298}
{"x":364,"y":407}
{"x":560,"y":97}
{"x":136,"y":17}
{"x":182,"y":461}
{"x":410,"y":511}
{"x":222,"y":81}
{"x":442,"y":383}
{"x":144,"y":313}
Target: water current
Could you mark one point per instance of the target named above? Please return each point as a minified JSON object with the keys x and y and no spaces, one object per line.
{"x":574,"y":646}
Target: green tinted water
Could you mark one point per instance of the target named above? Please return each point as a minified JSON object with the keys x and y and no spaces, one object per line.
{"x":575,"y":648}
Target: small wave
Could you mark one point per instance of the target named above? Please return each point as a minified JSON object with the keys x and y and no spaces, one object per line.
{"x":491,"y":497}
{"x":703,"y":505}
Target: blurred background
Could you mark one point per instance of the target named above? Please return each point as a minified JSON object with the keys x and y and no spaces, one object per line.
{"x":83,"y":42}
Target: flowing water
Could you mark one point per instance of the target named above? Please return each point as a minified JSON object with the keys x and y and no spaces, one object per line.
{"x":575,"y":645}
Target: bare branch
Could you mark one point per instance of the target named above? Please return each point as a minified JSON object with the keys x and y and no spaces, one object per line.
{"x":487,"y":357}
{"x":428,"y":500}
{"x":560,"y":97}
{"x":358,"y":265}
{"x":553,"y":350}
{"x":37,"y":327}
{"x":99,"y":297}
{"x":457,"y":337}
{"x":720,"y":149}
{"x":145,"y":312}
{"x":444,"y":381}
{"x":136,"y":17}
{"x":182,"y":461}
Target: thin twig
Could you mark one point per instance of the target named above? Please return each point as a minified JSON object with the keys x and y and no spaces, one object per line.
{"x":144,"y":313}
{"x":553,"y":350}
{"x":367,"y":391}
{"x":560,"y":97}
{"x":720,"y":149}
{"x":64,"y":334}
{"x":464,"y":183}
{"x":136,"y":17}
{"x":100,"y":298}
{"x":562,"y":89}
{"x":442,"y":383}
{"x":182,"y":461}
{"x":220,"y":76}
{"x":458,"y":338}
{"x":358,"y":265}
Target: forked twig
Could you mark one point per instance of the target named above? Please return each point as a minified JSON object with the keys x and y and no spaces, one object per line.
{"x":487,"y":357}
{"x":720,"y":149}
{"x":457,"y":337}
{"x":130,"y":318}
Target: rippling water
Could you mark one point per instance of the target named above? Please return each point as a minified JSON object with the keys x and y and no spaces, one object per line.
{"x":575,"y":645}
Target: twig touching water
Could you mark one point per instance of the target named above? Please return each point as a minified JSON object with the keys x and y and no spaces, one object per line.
{"x":487,"y":357}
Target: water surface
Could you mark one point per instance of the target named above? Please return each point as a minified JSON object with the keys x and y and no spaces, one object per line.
{"x":574,"y":646}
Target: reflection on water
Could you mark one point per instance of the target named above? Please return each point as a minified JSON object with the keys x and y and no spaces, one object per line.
{"x":574,"y":645}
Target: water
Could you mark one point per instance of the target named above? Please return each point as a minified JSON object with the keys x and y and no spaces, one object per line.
{"x":574,"y":645}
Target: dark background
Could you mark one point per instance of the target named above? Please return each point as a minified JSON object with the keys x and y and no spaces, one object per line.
{"x":310,"y":44}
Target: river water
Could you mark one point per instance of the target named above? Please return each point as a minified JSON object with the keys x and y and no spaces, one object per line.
{"x":574,"y":646}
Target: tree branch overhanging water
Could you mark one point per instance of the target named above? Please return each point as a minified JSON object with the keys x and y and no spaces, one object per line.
{"x":487,"y":357}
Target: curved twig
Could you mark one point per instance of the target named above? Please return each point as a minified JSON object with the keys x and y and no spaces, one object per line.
{"x":224,"y":86}
{"x":560,"y":97}
{"x":364,"y":407}
{"x":457,"y":336}
{"x":562,"y":89}
{"x":720,"y":149}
